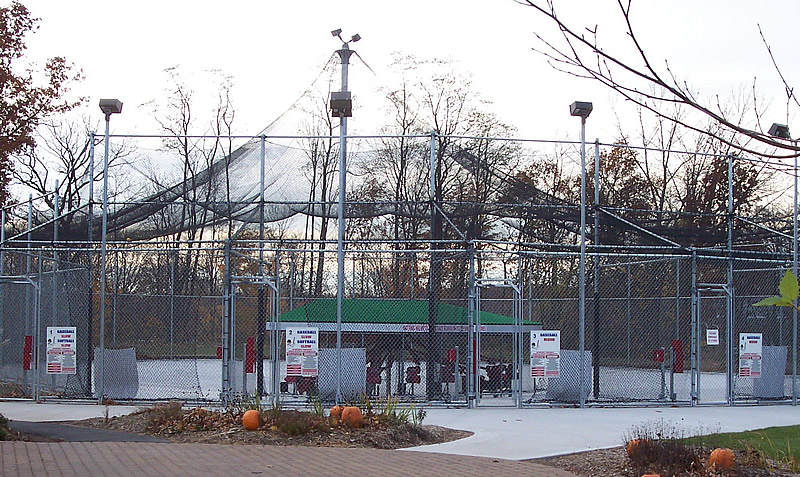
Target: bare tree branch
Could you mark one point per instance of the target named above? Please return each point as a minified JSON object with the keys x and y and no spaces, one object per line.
{"x":570,"y":59}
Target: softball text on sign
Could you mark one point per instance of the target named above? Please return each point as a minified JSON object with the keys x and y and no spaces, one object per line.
{"x":61,"y":349}
{"x":302,"y":351}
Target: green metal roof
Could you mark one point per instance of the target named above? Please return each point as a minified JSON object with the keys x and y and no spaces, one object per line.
{"x":355,"y":310}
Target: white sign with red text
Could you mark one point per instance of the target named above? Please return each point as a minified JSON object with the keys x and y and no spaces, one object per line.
{"x":302,"y":351}
{"x":712,"y":337}
{"x":545,"y":353}
{"x":61,"y":349}
{"x":750,"y":355}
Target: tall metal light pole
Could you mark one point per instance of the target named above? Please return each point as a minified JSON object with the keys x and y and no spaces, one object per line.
{"x":108,"y":107}
{"x":582,"y":109}
{"x":341,"y":105}
{"x":782,"y":131}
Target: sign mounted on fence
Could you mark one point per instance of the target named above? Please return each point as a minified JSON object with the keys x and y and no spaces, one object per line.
{"x":302,"y":351}
{"x":712,"y":337}
{"x":545,"y":353}
{"x":750,"y":355}
{"x":61,"y":349}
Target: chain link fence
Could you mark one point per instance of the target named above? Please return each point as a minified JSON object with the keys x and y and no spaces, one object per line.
{"x":658,"y":329}
{"x":437,"y":317}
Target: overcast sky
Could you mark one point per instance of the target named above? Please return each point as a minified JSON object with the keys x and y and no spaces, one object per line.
{"x":273,"y":50}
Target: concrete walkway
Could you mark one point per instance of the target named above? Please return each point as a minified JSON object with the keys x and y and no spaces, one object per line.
{"x":504,"y":438}
{"x":64,"y":432}
{"x":90,"y":459}
{"x":533,"y":433}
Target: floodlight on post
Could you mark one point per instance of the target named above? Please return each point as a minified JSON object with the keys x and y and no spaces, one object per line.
{"x":341,"y":105}
{"x":782,"y":131}
{"x":582,"y":109}
{"x":779,"y":131}
{"x":108,"y":107}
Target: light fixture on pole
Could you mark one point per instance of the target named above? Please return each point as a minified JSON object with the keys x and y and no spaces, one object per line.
{"x":341,"y":105}
{"x":782,"y":131}
{"x":108,"y":107}
{"x":582,"y":109}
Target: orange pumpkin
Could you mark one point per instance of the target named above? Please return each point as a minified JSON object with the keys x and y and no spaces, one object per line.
{"x":651,"y":475}
{"x":351,"y":415}
{"x":722,"y":459}
{"x":251,"y":420}
{"x":633,"y":446}
{"x":336,"y":412}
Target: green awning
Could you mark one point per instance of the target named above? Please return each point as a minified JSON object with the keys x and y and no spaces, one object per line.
{"x":390,"y":312}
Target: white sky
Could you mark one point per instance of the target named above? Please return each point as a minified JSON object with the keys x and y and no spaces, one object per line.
{"x":274,"y":49}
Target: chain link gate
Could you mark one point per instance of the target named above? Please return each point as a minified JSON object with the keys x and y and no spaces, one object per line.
{"x":711,"y":365}
{"x":497,"y":350}
{"x":251,"y":322}
{"x":21,"y":298}
{"x":42,"y":292}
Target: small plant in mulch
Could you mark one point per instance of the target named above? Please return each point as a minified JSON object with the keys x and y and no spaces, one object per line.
{"x":171,"y":418}
{"x":661,"y":448}
{"x":657,"y":447}
{"x":4,"y":430}
{"x":382,"y":423}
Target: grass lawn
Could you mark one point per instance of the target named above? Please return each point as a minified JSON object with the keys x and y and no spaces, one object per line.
{"x":779,"y":443}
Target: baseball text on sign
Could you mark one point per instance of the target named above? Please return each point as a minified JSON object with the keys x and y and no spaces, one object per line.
{"x":750,"y":355}
{"x":545,"y":353}
{"x":61,"y":349}
{"x":302,"y":351}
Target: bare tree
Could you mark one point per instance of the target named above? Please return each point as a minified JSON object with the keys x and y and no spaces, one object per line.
{"x":579,"y":51}
{"x":62,"y":153}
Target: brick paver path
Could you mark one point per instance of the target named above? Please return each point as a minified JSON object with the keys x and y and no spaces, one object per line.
{"x":165,"y":460}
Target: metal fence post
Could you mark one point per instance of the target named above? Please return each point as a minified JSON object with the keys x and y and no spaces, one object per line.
{"x":29,"y":311}
{"x":226,"y":322}
{"x":89,"y":258}
{"x":37,"y":324}
{"x":730,"y":303}
{"x":596,"y":284}
{"x":694,"y":345}
{"x":262,"y":311}
{"x":172,"y":259}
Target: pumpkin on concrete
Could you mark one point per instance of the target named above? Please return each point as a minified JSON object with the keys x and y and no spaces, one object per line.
{"x":336,"y":412}
{"x":351,"y":415}
{"x":722,"y":458}
{"x":251,"y":420}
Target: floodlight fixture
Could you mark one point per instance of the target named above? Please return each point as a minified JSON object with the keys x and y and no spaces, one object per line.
{"x":110,"y":106}
{"x":580,"y":108}
{"x":780,"y":131}
{"x":336,"y":32}
{"x":341,"y":104}
{"x":355,"y":38}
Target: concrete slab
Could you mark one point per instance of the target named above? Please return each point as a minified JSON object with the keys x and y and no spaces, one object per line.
{"x":510,"y":433}
{"x":67,"y":433}
{"x":532,"y":433}
{"x":47,"y":412}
